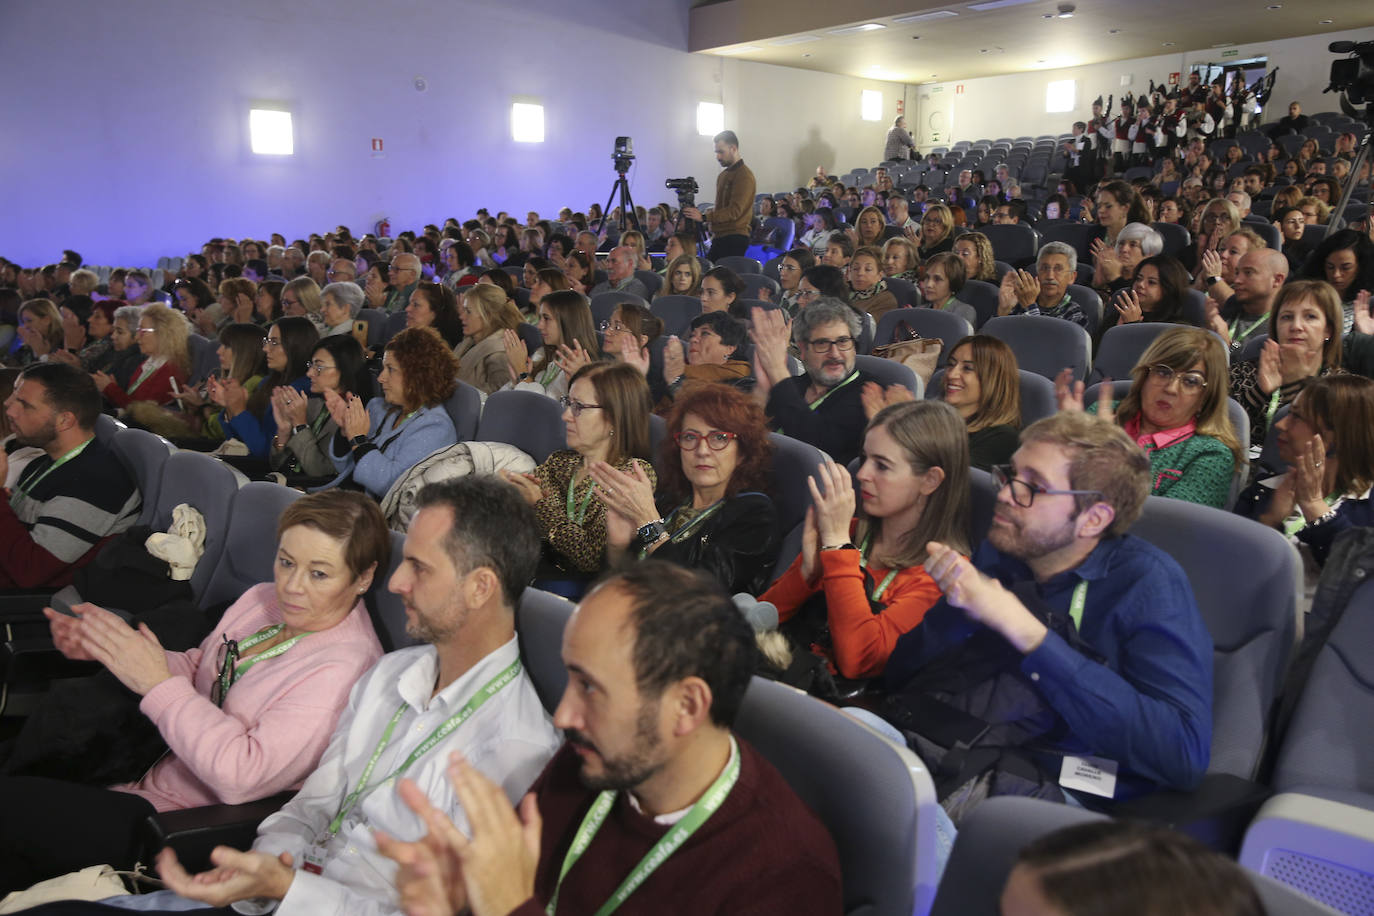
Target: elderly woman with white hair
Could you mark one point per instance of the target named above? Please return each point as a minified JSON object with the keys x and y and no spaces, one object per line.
{"x":339,"y":304}
{"x":1114,"y":265}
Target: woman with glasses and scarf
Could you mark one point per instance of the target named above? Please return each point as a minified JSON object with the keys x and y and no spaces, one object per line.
{"x":245,"y":715}
{"x":247,"y":415}
{"x":709,"y":512}
{"x":1176,"y":410}
{"x":606,"y":419}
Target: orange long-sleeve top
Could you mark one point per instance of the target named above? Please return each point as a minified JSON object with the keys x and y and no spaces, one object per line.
{"x":862,"y":640}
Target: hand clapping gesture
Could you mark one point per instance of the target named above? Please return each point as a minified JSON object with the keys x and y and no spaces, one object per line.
{"x":1269,"y":376}
{"x":875,"y":397}
{"x":1128,"y":309}
{"x":288,"y":407}
{"x":674,"y":360}
{"x":770,"y":334}
{"x":571,"y":358}
{"x":516,"y":354}
{"x":1364,"y":320}
{"x":828,"y":517}
{"x":1309,"y":485}
{"x":1107,"y":265}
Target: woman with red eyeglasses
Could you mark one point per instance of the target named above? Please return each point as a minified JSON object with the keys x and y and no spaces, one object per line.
{"x":710,"y":512}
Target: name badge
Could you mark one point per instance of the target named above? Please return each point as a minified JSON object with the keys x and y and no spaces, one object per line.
{"x":1094,"y":775}
{"x":313,"y":860}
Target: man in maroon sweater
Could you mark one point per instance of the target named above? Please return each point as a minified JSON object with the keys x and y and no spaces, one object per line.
{"x":652,"y":805}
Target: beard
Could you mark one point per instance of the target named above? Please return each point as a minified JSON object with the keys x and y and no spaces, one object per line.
{"x":1013,"y":539}
{"x":630,"y":769}
{"x":430,"y":629}
{"x":40,"y":439}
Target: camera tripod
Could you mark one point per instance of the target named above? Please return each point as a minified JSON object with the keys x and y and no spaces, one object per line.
{"x":627,"y":204}
{"x":1338,"y":208}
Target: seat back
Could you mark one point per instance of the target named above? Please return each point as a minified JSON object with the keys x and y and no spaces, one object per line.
{"x":1252,"y":618}
{"x":144,"y":456}
{"x":1176,"y":238}
{"x":794,"y":462}
{"x":1090,"y":302}
{"x":781,"y":232}
{"x":1016,"y":244}
{"x":889,"y":372}
{"x":946,"y":326}
{"x":676,"y":313}
{"x":106,"y":427}
{"x":1079,"y":235}
{"x":982,"y":295}
{"x":1042,"y":344}
{"x":540,"y":618}
{"x":754,"y":283}
{"x":464,"y":408}
{"x":207,"y":485}
{"x":876,"y":799}
{"x":386,"y":608}
{"x":1037,"y":397}
{"x":904,"y":291}
{"x":530,"y":421}
{"x":204,"y":357}
{"x":250,"y":544}
{"x":395,"y":323}
{"x":982,"y":501}
{"x":603,"y":304}
{"x":740,"y":264}
{"x":651,"y":279}
{"x":1121,"y":348}
{"x":377,"y":320}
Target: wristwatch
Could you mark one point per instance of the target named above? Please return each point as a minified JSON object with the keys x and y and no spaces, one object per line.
{"x":357,"y":441}
{"x":651,"y":532}
{"x":1213,"y":280}
{"x":299,"y":427}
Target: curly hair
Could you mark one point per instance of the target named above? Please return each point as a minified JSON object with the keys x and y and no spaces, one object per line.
{"x":726,"y":408}
{"x":429,"y":370}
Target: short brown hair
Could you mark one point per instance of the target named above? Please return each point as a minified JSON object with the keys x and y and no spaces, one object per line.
{"x":728,"y":409}
{"x":999,"y":382}
{"x":1327,"y":299}
{"x":1103,"y":459}
{"x":624,"y":395}
{"x":429,"y":370}
{"x":955,"y":271}
{"x":870,"y":251}
{"x":347,"y":516}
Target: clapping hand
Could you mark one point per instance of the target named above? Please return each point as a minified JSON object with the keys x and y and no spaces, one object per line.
{"x":632,"y":354}
{"x":528,"y":485}
{"x":516,"y":354}
{"x":102,"y":380}
{"x":1128,"y":309}
{"x":356,"y":422}
{"x":430,"y":877}
{"x":769,"y":332}
{"x":983,"y":598}
{"x":674,"y":359}
{"x":1309,"y":489}
{"x":288,"y":407}
{"x":134,"y":656}
{"x":828,"y":517}
{"x":875,"y":397}
{"x":571,"y":358}
{"x":236,"y":876}
{"x":1364,"y":320}
{"x":1211,"y":263}
{"x":630,"y":494}
{"x":1268,"y":375}
{"x":1107,"y":266}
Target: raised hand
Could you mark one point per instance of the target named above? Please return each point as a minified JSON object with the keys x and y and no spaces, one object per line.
{"x":572,"y":358}
{"x":1128,"y":309}
{"x":134,"y":656}
{"x":1309,"y":489}
{"x":430,"y":877}
{"x":1211,"y":263}
{"x":516,"y":354}
{"x":1006,"y":293}
{"x":982,"y":598}
{"x":337,"y":407}
{"x":833,"y":501}
{"x":1269,"y":376}
{"x":1068,"y":392}
{"x":1297,"y":362}
{"x":236,"y":876}
{"x":632,"y":354}
{"x":356,"y":422}
{"x":1364,"y":320}
{"x":770,"y":334}
{"x":632,"y":494}
{"x":499,"y":861}
{"x":674,"y":359}
{"x":1027,"y":288}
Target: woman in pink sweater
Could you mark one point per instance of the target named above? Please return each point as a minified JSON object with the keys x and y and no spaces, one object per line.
{"x":246,"y":715}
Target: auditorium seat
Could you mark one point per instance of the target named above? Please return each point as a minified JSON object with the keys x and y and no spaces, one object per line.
{"x":464,"y":408}
{"x":1176,"y":238}
{"x":250,"y":542}
{"x":651,"y":279}
{"x":1091,"y":304}
{"x":889,"y":372}
{"x":948,"y":327}
{"x":676,"y":313}
{"x":740,"y":264}
{"x":905,"y":292}
{"x":604,"y":304}
{"x":530,"y":421}
{"x":1121,"y":348}
{"x":1017,"y":243}
{"x":376,"y":326}
{"x":753,"y":283}
{"x":983,"y":297}
{"x":143,"y":455}
{"x":1042,"y":344}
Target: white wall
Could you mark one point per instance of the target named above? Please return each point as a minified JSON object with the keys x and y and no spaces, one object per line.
{"x":134,"y":116}
{"x":1014,"y":105}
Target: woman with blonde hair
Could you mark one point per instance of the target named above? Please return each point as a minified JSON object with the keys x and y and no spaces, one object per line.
{"x":301,"y":297}
{"x":868,"y":228}
{"x":975,"y":250}
{"x":859,"y":583}
{"x":683,"y":278}
{"x":900,"y":260}
{"x":937,"y":228}
{"x":485,"y":312}
{"x":40,"y":328}
{"x":162,"y":337}
{"x":1176,"y":410}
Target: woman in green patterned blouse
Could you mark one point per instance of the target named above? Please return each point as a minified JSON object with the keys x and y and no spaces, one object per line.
{"x":1176,"y":410}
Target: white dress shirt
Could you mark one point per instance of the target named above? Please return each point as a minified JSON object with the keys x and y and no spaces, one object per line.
{"x":509,"y":739}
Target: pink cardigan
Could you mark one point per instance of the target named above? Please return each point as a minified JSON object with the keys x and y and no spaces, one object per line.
{"x":276,"y":720}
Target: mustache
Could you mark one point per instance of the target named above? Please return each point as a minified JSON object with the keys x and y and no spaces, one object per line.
{"x":576,"y":738}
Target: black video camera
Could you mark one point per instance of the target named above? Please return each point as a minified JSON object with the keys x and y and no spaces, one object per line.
{"x":624,"y":154}
{"x":1354,"y":76}
{"x":686,"y":189}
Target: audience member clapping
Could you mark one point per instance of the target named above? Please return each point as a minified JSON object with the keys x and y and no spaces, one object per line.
{"x":304,"y":426}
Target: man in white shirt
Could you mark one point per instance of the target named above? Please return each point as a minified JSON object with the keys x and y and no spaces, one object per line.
{"x":464,"y":691}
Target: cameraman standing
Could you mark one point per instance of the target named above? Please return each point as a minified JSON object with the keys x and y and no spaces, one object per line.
{"x":734,"y":206}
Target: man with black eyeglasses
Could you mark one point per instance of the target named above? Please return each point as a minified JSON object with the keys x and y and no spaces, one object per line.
{"x":822,"y":406}
{"x":1068,"y":659}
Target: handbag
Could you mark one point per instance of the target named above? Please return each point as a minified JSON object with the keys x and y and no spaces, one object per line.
{"x":919,"y":354}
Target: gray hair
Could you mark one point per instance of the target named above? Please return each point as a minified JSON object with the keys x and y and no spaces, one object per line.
{"x":129,"y":314}
{"x":279,"y":250}
{"x":825,"y":310}
{"x":346,"y":292}
{"x":319,"y":256}
{"x":1063,"y":248}
{"x":1151,"y":242}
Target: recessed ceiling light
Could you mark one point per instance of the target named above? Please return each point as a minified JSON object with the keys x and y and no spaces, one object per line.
{"x":1113,"y":31}
{"x":921,"y":17}
{"x":1066,"y":10}
{"x":1325,"y":21}
{"x":864,"y":27}
{"x":996,"y":4}
{"x":1223,"y":44}
{"x":915,"y":37}
{"x":1275,"y":6}
{"x":1168,"y":44}
{"x":794,"y":40}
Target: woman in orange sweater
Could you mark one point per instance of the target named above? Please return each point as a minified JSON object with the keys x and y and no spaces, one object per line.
{"x":859,"y":583}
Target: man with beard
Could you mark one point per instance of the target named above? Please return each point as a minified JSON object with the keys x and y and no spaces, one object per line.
{"x":653,"y":802}
{"x":70,"y":499}
{"x":822,"y":406}
{"x":471,"y":548}
{"x":1097,"y":628}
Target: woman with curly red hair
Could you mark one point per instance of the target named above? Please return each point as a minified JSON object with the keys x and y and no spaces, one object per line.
{"x":378,"y":443}
{"x":710,"y":513}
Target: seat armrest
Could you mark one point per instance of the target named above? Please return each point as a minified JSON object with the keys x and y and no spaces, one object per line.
{"x":194,"y":832}
{"x":1216,"y":813}
{"x":35,"y":660}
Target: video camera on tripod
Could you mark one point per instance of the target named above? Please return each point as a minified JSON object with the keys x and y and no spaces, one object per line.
{"x":1353,"y":78}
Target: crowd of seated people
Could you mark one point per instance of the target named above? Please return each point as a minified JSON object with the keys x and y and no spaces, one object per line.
{"x":887,"y":590}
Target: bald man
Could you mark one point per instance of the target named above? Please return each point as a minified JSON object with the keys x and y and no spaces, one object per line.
{"x":1259,"y":276}
{"x":620,"y":274}
{"x":405,"y":276}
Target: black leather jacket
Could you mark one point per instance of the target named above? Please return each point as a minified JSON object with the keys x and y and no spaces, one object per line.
{"x":736,"y":546}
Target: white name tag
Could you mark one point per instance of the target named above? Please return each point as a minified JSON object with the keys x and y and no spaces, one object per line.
{"x":1094,"y":775}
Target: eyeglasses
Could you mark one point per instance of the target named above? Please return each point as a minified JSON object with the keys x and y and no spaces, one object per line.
{"x":272,"y":342}
{"x":609,"y":325}
{"x":1023,"y":493}
{"x":807,"y":293}
{"x":319,"y":366}
{"x":577,"y":406}
{"x":1191,"y":382}
{"x":225,"y":663}
{"x":340,"y":273}
{"x":146,"y":331}
{"x":716,"y":439}
{"x":823,"y":344}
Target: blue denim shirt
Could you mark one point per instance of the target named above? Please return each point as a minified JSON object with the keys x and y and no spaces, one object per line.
{"x":1148,"y":703}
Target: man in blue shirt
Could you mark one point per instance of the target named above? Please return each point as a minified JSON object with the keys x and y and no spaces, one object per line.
{"x":1129,"y":685}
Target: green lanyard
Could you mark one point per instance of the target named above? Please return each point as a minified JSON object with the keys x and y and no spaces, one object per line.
{"x":1293,"y":525}
{"x":1236,"y":340}
{"x":1080,"y":598}
{"x":484,"y":693}
{"x":690,"y":527}
{"x":576,"y":513}
{"x":550,"y":373}
{"x":863,"y":564}
{"x":27,"y":488}
{"x":1273,"y":406}
{"x":670,"y":842}
{"x":228,"y":678}
{"x":815,"y":405}
{"x":143,"y":376}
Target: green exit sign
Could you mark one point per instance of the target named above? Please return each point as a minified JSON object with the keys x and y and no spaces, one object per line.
{"x":1234,"y":52}
{"x":938,"y":89}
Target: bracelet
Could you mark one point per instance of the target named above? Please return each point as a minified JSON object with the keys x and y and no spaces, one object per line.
{"x":1322,"y":520}
{"x":847,"y":545}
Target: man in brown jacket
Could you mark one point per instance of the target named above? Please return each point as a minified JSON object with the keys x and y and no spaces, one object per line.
{"x":734,"y":207}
